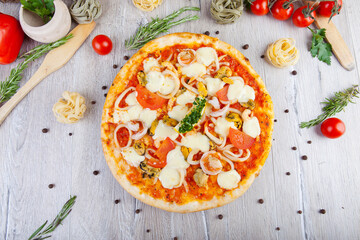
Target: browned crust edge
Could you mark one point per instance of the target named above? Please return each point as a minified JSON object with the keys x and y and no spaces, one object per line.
{"x":119,"y":85}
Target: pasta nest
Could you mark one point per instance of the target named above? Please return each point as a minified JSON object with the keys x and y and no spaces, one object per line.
{"x":70,"y":108}
{"x":226,"y":11}
{"x":85,"y":11}
{"x":282,"y":53}
{"x":147,"y":5}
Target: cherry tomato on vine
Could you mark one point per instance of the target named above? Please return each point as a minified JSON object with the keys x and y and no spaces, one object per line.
{"x":333,"y":128}
{"x":102,"y":44}
{"x":328,"y":8}
{"x":303,"y":16}
{"x":282,"y":9}
{"x":260,"y":7}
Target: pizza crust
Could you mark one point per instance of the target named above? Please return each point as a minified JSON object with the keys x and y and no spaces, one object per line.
{"x":119,"y":85}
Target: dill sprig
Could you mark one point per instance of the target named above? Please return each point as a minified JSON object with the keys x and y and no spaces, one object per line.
{"x":66,"y":209}
{"x":334,"y":105}
{"x":11,"y":84}
{"x":149,"y":31}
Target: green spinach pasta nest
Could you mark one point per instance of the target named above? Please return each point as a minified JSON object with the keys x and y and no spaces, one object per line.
{"x":226,"y":11}
{"x":85,"y":11}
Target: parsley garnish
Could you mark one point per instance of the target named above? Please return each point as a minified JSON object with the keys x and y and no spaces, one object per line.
{"x":319,"y":47}
{"x":43,"y":8}
{"x":187,"y":124}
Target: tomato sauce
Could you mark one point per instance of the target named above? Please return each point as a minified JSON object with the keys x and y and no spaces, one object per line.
{"x":182,"y":195}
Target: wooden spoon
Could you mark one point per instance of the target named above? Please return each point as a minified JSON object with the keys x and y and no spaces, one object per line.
{"x":53,"y":61}
{"x":339,"y":47}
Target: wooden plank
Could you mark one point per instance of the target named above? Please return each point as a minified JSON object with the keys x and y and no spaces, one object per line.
{"x":352,"y":20}
{"x":31,"y":160}
{"x":329,"y":161}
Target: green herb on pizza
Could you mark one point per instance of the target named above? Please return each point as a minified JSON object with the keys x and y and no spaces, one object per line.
{"x":11,"y":84}
{"x":320,"y":48}
{"x":151,"y":30}
{"x":334,"y":105}
{"x":41,"y":234}
{"x":187,"y":124}
{"x":43,"y":8}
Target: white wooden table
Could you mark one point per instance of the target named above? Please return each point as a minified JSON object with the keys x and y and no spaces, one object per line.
{"x":31,"y":160}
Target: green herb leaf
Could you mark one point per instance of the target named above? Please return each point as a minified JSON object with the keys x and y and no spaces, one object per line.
{"x":319,"y":47}
{"x":11,"y":84}
{"x":64,"y":212}
{"x":187,"y":124}
{"x":43,"y":8}
{"x":334,"y":105}
{"x":248,"y":3}
{"x":151,"y":30}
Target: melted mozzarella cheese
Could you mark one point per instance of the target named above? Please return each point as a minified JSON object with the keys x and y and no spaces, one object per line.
{"x":121,"y":116}
{"x":169,"y":177}
{"x":149,"y":63}
{"x":194,"y":70}
{"x":131,"y":157}
{"x":131,"y":99}
{"x":134,"y":112}
{"x":235,"y":88}
{"x":197,"y":141}
{"x":178,"y":112}
{"x":175,"y":159}
{"x":174,"y":172}
{"x":246,"y":94}
{"x":168,"y":86}
{"x":239,"y":91}
{"x":186,"y":97}
{"x":147,"y":116}
{"x":155,"y":81}
{"x":163,"y":131}
{"x":251,"y":127}
{"x":213,"y":85}
{"x":206,"y":55}
{"x":222,"y":126}
{"x":228,"y":180}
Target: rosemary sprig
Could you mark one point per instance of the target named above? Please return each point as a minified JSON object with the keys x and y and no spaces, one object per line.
{"x":66,"y":209}
{"x":334,"y":105}
{"x":11,"y":84}
{"x":149,"y":31}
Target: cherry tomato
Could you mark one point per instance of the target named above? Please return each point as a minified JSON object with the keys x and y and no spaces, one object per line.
{"x":260,"y":7}
{"x":166,"y":146}
{"x":282,"y":10}
{"x":240,"y":139}
{"x":122,"y":136}
{"x":303,"y":16}
{"x":149,"y":99}
{"x":222,"y":93}
{"x":333,"y":128}
{"x":102,"y":44}
{"x":325,"y":8}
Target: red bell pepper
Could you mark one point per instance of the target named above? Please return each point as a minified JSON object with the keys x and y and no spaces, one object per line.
{"x":11,"y":38}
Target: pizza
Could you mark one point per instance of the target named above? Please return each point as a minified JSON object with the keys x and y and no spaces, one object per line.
{"x":187,"y":123}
